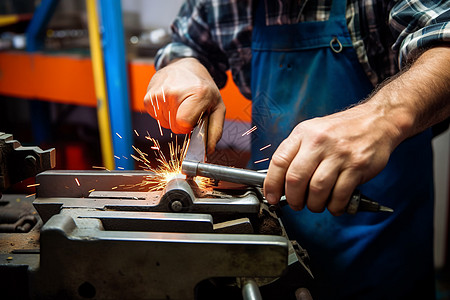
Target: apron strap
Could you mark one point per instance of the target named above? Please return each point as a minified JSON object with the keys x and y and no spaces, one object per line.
{"x":338,"y":9}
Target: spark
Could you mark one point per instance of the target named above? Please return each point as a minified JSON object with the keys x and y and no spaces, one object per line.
{"x":157,"y":104}
{"x":164,"y":96}
{"x":90,"y":191}
{"x":265,"y":147}
{"x":137,"y":134}
{"x":200,"y":118}
{"x":115,"y":156}
{"x":170,"y":125}
{"x":96,"y":167}
{"x":33,"y":185}
{"x":30,"y":195}
{"x":261,"y":160}
{"x":250,"y":130}
{"x":160,"y":129}
{"x":120,"y":168}
{"x":118,"y":135}
{"x":124,"y":157}
{"x":168,"y":167}
{"x":78,"y":182}
{"x":154,"y":109}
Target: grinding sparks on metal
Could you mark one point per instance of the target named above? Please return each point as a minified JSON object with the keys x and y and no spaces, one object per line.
{"x":168,"y":167}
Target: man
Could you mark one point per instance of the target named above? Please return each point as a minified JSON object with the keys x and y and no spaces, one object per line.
{"x":313,"y":71}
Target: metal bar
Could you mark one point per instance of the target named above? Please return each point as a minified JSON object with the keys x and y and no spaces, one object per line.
{"x":117,"y":82}
{"x":58,"y":183}
{"x":100,"y":85}
{"x":218,"y":172}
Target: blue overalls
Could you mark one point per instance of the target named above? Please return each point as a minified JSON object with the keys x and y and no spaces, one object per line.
{"x":310,"y":69}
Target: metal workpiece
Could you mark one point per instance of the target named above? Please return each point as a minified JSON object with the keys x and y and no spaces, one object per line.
{"x":178,"y":195}
{"x":61,"y":183}
{"x":218,"y":172}
{"x":93,"y":189}
{"x":88,"y":263}
{"x":18,"y":162}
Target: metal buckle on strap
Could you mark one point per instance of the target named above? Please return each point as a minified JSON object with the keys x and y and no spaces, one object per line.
{"x":335,"y":45}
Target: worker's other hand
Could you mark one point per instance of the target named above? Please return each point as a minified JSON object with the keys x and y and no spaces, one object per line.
{"x":181,"y":93}
{"x":323,"y":159}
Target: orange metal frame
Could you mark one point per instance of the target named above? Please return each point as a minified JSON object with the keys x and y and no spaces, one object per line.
{"x":69,"y":79}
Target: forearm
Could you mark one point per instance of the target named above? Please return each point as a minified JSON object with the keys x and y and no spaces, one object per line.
{"x":417,"y":98}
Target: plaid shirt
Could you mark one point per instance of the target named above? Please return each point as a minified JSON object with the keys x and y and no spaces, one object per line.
{"x":385,"y":33}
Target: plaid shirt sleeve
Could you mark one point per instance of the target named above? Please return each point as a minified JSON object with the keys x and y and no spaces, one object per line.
{"x":191,"y":37}
{"x":419,"y":24}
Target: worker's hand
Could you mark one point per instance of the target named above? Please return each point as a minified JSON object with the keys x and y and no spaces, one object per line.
{"x":181,"y":93}
{"x":324,"y":159}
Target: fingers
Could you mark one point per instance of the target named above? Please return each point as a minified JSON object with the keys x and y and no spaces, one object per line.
{"x":321,"y":185}
{"x":342,"y":192}
{"x":215,"y":126}
{"x":276,"y":174}
{"x":189,"y":112}
{"x":180,"y":93}
{"x":312,"y":172}
{"x":156,"y":108}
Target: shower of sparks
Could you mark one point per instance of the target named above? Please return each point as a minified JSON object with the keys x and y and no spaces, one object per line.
{"x":250,"y":130}
{"x":261,"y":160}
{"x":78,"y":182}
{"x":265,"y":147}
{"x":118,"y":135}
{"x":168,"y":167}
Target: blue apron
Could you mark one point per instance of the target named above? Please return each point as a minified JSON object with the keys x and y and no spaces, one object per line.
{"x":310,"y":69}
